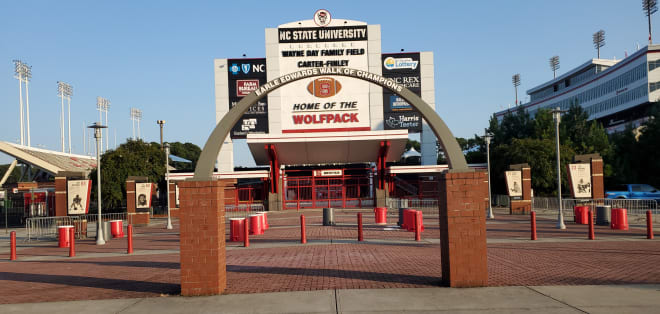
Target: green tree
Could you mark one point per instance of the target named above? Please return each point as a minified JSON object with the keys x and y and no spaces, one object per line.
{"x":133,"y":158}
{"x":648,"y":154}
{"x":14,"y":176}
{"x":188,"y":151}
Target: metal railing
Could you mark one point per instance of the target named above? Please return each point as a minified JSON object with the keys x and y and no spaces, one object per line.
{"x":633,"y":206}
{"x":42,"y":228}
{"x":427,"y":206}
{"x":242,"y":210}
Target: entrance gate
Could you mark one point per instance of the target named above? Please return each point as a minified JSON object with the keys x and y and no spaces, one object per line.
{"x":346,"y":191}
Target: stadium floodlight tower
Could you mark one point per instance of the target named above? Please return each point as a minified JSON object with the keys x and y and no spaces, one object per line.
{"x":650,"y":7}
{"x":136,"y":116}
{"x":65,"y":91}
{"x":515,"y":79}
{"x":102,"y":105}
{"x":98,"y":136}
{"x":554,"y":65}
{"x":599,"y":41}
{"x":23,"y":74}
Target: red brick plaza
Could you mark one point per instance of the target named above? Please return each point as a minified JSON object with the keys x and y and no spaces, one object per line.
{"x":332,"y":259}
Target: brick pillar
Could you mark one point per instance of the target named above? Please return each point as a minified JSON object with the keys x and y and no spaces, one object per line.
{"x":463,"y":199}
{"x":174,"y":210}
{"x":523,"y":206}
{"x":60,"y":196}
{"x":597,"y":183}
{"x":202,"y":219}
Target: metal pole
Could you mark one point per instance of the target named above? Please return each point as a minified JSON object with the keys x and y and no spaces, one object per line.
{"x":69,"y":121}
{"x":560,"y":217}
{"x":84,"y":139}
{"x":20,"y":95}
{"x":27,"y":110}
{"x":490,"y":202}
{"x":99,"y":228}
{"x":100,"y":120}
{"x":161,"y":136}
{"x":650,"y":40}
{"x":167,"y":181}
{"x":62,"y":119}
{"x":107,"y":136}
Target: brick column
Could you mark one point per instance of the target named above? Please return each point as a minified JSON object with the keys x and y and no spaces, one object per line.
{"x":462,"y":203}
{"x":523,"y":206}
{"x":60,"y":197}
{"x":597,"y":183}
{"x":174,"y":210}
{"x":202,"y":219}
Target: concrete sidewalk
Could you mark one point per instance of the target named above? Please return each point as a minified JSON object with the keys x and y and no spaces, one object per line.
{"x":545,"y":299}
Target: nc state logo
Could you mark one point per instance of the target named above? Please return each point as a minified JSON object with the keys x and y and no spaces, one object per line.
{"x":324,"y":87}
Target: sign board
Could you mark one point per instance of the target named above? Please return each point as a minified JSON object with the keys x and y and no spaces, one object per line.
{"x":514,"y":183}
{"x":580,"y":179}
{"x":245,"y":76}
{"x":3,"y":194}
{"x":78,"y":194}
{"x":142,"y":195}
{"x":176,"y":194}
{"x":328,"y":103}
{"x":404,"y":69}
{"x":329,"y":173}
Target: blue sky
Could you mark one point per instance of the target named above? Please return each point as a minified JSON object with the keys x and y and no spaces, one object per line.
{"x":158,"y":55}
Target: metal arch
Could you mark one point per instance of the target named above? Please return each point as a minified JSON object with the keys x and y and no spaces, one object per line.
{"x":206,"y":162}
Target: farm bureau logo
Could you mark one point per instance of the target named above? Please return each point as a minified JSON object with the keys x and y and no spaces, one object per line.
{"x":400,"y":63}
{"x":245,"y":87}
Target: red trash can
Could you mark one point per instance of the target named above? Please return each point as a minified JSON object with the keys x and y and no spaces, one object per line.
{"x":619,"y":219}
{"x":255,"y":224}
{"x":236,"y":226}
{"x":581,"y":214}
{"x":117,"y":228}
{"x":381,"y":215}
{"x":410,"y":220}
{"x":63,"y":234}
{"x":264,"y":221}
{"x":406,"y":219}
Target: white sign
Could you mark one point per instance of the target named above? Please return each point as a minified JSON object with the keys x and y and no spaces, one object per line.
{"x":142,"y":195}
{"x":176,"y":194}
{"x":78,"y":192}
{"x":580,"y":176}
{"x":514,"y":182}
{"x":330,"y":103}
{"x":3,"y":195}
{"x":329,"y":173}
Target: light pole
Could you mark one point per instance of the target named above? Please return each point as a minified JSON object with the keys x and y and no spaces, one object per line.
{"x":554,"y":65}
{"x":161,"y":123}
{"x":97,"y":135}
{"x":23,"y":74}
{"x":65,"y":92}
{"x":102,"y":105}
{"x":515,"y":79}
{"x":599,"y":41}
{"x":488,"y":136}
{"x":167,"y":181}
{"x":556,"y":114}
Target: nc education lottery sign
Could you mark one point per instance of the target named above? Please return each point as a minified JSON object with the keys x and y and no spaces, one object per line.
{"x":78,"y":192}
{"x":329,"y":103}
{"x":403,"y":68}
{"x":580,"y":177}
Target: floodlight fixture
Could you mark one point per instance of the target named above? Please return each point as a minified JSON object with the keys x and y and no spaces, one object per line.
{"x":599,"y":41}
{"x":649,"y":7}
{"x":554,"y":65}
{"x":515,"y":79}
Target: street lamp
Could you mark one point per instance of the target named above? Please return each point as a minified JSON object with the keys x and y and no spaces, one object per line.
{"x":97,"y":135}
{"x":488,"y":136}
{"x":556,"y":114}
{"x":167,"y":181}
{"x":161,"y":123}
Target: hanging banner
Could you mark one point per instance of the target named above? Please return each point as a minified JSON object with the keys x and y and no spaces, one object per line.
{"x":244,"y":76}
{"x":403,"y":68}
{"x":78,"y":192}
{"x":514,"y":183}
{"x":176,"y":193}
{"x":580,"y":179}
{"x":324,"y":104}
{"x":142,"y":195}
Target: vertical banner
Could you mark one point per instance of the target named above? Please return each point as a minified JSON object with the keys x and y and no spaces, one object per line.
{"x":580,"y":180}
{"x":514,"y":183}
{"x":78,"y":192}
{"x":176,"y":194}
{"x":142,"y":196}
{"x":324,"y":104}
{"x":244,"y":76}
{"x":403,"y":68}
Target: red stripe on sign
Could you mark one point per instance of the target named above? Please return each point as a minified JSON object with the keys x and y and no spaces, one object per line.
{"x":365,"y":128}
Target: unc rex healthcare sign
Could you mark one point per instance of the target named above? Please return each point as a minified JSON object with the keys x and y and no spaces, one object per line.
{"x":329,"y":103}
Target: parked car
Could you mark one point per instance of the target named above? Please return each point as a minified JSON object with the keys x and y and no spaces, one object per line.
{"x":634,"y":191}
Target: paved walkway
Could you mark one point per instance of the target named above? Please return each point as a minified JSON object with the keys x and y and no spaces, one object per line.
{"x":547,"y":299}
{"x":332,"y":260}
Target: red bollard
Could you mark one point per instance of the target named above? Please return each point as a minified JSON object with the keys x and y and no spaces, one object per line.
{"x":418,"y":225}
{"x":360,"y":236}
{"x":129,"y":238}
{"x":246,"y":233}
{"x":533,"y":220}
{"x":649,"y":225}
{"x":12,"y":244}
{"x":590,"y":216}
{"x":303,"y":235}
{"x":72,"y":245}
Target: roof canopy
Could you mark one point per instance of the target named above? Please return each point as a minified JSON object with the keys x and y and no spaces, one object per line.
{"x":49,"y":161}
